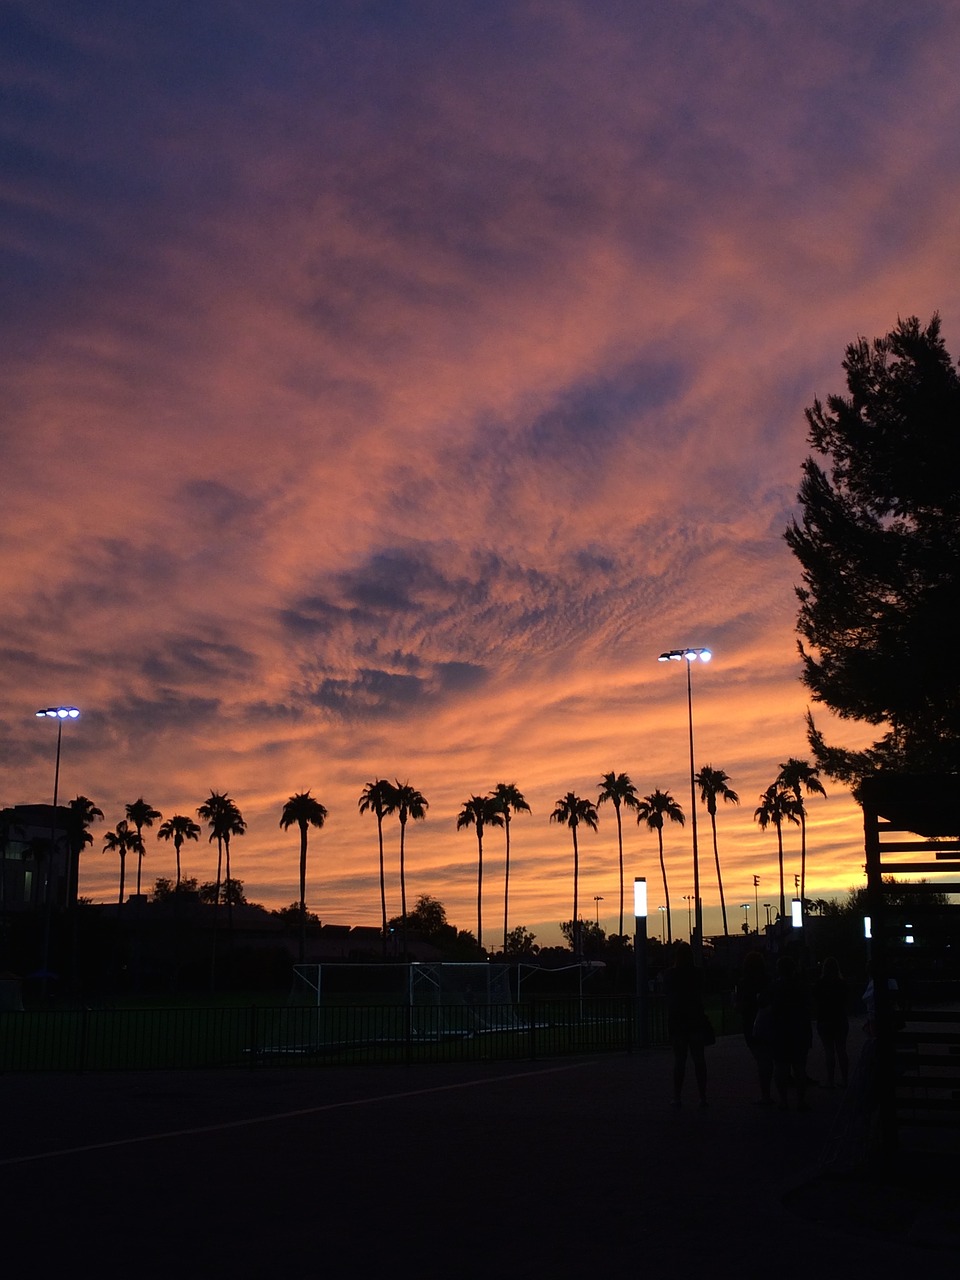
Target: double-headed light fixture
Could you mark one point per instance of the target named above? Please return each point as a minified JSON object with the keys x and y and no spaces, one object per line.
{"x":691,"y":656}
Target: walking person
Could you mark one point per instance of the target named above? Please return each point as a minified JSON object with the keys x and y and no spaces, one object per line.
{"x":687,"y":1023}
{"x":755,"y":1019}
{"x":791,"y":1032}
{"x":830,"y":1014}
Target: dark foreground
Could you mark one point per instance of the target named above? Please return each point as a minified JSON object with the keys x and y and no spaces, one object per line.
{"x":555,"y":1168}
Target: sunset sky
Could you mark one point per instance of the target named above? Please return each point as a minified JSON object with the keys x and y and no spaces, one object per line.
{"x":385,"y":385}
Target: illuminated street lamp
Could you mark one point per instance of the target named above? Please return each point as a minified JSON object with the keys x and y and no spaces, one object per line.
{"x":745,"y":908}
{"x":640,"y":952}
{"x":691,"y":656}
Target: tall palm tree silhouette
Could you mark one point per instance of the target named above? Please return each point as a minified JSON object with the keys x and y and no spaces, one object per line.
{"x":142,"y":814}
{"x":376,"y":798}
{"x":178,"y":828}
{"x":122,"y":840}
{"x":618,"y":788}
{"x":796,"y":776}
{"x":480,"y":812}
{"x":572,"y":810}
{"x":83,"y":812}
{"x":224,"y":820}
{"x":406,"y":802}
{"x":652,"y":810}
{"x":304,"y":811}
{"x":777,"y":806}
{"x":713,"y":787}
{"x":510,"y":800}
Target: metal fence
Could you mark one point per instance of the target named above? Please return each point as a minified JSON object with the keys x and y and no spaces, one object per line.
{"x":300,"y":1035}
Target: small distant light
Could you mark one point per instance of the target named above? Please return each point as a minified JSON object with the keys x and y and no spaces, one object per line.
{"x":867,"y":927}
{"x":796,"y":913}
{"x":909,"y":938}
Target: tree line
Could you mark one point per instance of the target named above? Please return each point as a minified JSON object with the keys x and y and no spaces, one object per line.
{"x":781,"y":802}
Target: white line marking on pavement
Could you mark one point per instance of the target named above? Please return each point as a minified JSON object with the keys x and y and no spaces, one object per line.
{"x":282,"y":1115}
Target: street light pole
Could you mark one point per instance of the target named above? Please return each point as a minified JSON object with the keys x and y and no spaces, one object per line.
{"x":598,"y":898}
{"x":640,"y":953}
{"x":59,"y":714}
{"x":691,"y":656}
{"x":688,"y":899}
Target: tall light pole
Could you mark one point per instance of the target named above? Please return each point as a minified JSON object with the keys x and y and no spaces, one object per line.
{"x":59,"y":714}
{"x":688,"y":899}
{"x":756,"y":903}
{"x":663,"y":917}
{"x":745,"y":908}
{"x":640,"y":953}
{"x":598,"y":898}
{"x":690,"y":656}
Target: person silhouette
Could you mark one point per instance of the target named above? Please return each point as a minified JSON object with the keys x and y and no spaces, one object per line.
{"x":751,"y":990}
{"x":686,"y":1021}
{"x":830,"y":1015}
{"x":791,"y":1035}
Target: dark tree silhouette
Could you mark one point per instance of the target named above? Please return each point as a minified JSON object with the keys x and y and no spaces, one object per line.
{"x":652,"y":810}
{"x":617,"y":788}
{"x":713,"y":787}
{"x":376,"y":798}
{"x":510,"y":799}
{"x":303,"y":811}
{"x":480,"y":812}
{"x":572,"y":810}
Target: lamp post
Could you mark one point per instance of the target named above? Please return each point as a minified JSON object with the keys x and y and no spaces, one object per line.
{"x":688,"y":899}
{"x":756,"y":903}
{"x":766,"y":907}
{"x":745,"y":908}
{"x":59,"y":714}
{"x":663,"y":922}
{"x":691,"y":656}
{"x":598,"y":898}
{"x":640,"y":953}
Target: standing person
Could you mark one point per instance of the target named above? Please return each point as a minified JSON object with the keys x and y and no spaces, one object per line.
{"x":830,"y":1013}
{"x":687,"y":1023}
{"x":751,"y":992}
{"x":790,"y":1032}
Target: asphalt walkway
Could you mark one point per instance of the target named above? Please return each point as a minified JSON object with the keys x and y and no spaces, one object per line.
{"x":536,"y":1169}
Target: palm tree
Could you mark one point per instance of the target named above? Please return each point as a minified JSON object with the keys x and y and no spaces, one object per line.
{"x":406,"y":802}
{"x":122,"y":840}
{"x":510,"y":799}
{"x":777,"y":805}
{"x":572,"y":810}
{"x":480,"y":811}
{"x":376,"y":797}
{"x":652,"y":810}
{"x":224,"y":820}
{"x":713,"y":787}
{"x":82,"y":813}
{"x":305,"y":811}
{"x":618,"y":788}
{"x":178,"y":828}
{"x":141,"y":814}
{"x":797,"y":775}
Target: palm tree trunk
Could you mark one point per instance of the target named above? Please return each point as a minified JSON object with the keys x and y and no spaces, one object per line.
{"x":383,"y":885}
{"x":480,"y":887}
{"x":122,"y":876}
{"x":176,"y":846}
{"x":506,"y":882}
{"x":716,"y":858}
{"x":403,"y":894}
{"x":803,"y":859}
{"x":666,"y":891}
{"x":303,"y":889}
{"x":620,"y":850}
{"x":783,"y":900}
{"x":576,"y":889}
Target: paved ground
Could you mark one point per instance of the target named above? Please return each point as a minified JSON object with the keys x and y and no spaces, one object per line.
{"x":553,"y":1168}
